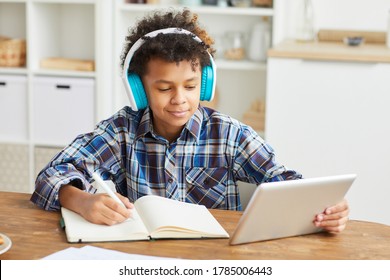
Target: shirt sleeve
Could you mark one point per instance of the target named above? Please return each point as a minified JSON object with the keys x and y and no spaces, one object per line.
{"x":255,"y":161}
{"x":75,"y":165}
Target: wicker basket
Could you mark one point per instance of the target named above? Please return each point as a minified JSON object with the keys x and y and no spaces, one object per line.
{"x":262,"y":3}
{"x":12,"y":52}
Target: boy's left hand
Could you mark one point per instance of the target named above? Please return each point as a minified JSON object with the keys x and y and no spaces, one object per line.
{"x":334,"y":219}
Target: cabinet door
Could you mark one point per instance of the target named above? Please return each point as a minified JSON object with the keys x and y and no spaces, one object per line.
{"x":62,"y":109}
{"x":13,"y":108}
{"x":328,"y":118}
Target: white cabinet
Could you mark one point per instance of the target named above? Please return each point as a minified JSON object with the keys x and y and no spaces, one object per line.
{"x":43,"y":109}
{"x":61,"y":29}
{"x":239,"y":83}
{"x":70,"y":111}
{"x":13,"y":108}
{"x":327,"y":118}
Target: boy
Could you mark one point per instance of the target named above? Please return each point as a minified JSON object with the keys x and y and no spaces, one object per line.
{"x":166,"y":144}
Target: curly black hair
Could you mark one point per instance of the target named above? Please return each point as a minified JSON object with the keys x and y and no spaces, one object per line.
{"x":169,"y":47}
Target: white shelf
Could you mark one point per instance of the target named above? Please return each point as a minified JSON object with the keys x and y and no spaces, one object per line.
{"x":13,"y":141}
{"x":213,"y":10}
{"x":64,"y":1}
{"x":13,"y":70}
{"x":242,"y":65}
{"x":64,"y":73}
{"x":13,"y":1}
{"x":61,"y":30}
{"x":76,"y":29}
{"x":50,"y":144}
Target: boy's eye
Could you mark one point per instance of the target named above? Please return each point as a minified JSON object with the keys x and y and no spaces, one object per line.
{"x":190,"y":87}
{"x":164,"y":89}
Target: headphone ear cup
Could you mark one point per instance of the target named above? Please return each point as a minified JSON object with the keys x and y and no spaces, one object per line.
{"x":138,"y":91}
{"x":207,"y":84}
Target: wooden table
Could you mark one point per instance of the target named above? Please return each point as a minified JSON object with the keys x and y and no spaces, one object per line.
{"x":36,"y":233}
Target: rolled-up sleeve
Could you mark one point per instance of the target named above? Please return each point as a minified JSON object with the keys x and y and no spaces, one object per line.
{"x":75,"y":164}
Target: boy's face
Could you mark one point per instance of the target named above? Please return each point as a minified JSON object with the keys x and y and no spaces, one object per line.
{"x":173,"y":92}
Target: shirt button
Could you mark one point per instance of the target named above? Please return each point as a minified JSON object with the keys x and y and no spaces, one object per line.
{"x":170,"y":180}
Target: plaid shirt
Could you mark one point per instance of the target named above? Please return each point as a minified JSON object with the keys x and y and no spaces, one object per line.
{"x":202,"y":166}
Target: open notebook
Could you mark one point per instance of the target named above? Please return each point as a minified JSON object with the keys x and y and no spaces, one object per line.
{"x":287,"y":208}
{"x":153,"y":217}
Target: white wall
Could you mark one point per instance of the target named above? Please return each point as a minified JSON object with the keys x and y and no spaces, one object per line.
{"x":352,"y":14}
{"x":336,"y":14}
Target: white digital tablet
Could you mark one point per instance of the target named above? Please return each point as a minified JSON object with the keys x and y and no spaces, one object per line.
{"x":287,"y":208}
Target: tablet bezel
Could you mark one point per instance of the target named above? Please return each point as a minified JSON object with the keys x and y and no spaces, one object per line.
{"x":287,"y":208}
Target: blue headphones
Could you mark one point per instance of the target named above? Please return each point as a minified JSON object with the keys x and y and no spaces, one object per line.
{"x":133,"y":84}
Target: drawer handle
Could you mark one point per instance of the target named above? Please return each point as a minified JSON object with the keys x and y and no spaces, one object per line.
{"x":3,"y":84}
{"x":63,"y":86}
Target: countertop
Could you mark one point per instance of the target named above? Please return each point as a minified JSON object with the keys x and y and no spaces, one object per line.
{"x":332,"y":51}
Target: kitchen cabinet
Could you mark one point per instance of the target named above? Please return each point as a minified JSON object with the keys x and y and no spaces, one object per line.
{"x":325,"y":117}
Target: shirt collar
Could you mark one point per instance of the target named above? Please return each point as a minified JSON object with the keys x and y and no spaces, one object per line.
{"x":194,"y":124}
{"x":145,"y":125}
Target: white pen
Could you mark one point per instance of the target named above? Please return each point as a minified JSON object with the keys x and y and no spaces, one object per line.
{"x":106,"y":188}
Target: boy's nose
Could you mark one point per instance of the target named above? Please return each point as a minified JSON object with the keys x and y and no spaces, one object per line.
{"x":178,"y":97}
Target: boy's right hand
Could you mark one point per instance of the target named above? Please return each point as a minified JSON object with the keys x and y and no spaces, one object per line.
{"x":95,"y":208}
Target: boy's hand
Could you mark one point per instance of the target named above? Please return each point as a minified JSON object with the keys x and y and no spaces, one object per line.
{"x":334,"y":219}
{"x":102,"y":209}
{"x":95,"y":208}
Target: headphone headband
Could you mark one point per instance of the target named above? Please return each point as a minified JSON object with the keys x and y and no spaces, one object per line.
{"x":140,"y":42}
